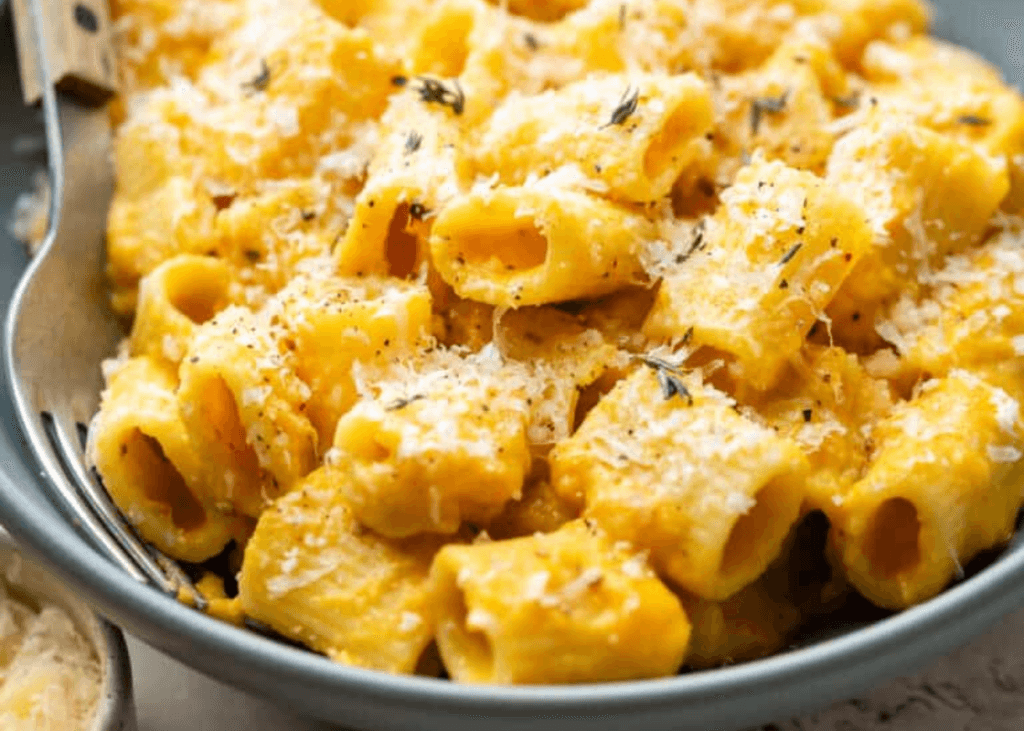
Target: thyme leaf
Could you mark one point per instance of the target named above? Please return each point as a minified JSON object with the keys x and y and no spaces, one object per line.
{"x":696,"y":244}
{"x":974,"y":120}
{"x":627,"y":107}
{"x":413,"y":142}
{"x":404,"y":402}
{"x":669,"y":379}
{"x":767,"y":105}
{"x":434,"y":91}
{"x":788,"y":256}
{"x":672,"y":385}
{"x":260,"y":82}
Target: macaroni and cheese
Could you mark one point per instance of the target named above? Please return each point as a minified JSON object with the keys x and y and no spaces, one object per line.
{"x":517,"y":339}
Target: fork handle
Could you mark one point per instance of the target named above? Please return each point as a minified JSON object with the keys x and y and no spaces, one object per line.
{"x":77,"y":47}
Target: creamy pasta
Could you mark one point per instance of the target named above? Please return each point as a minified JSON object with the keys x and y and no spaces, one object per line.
{"x":521,"y":337}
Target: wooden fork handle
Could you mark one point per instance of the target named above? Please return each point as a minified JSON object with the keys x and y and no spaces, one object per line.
{"x":77,"y":45}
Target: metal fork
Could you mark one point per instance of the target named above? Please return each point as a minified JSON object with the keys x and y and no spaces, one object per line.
{"x":60,"y":326}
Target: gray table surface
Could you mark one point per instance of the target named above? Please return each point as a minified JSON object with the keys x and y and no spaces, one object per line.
{"x":979,"y":687}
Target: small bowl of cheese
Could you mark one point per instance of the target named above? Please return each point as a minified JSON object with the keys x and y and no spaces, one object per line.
{"x":61,"y":666}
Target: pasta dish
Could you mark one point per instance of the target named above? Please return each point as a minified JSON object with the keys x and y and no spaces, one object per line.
{"x":520,"y":341}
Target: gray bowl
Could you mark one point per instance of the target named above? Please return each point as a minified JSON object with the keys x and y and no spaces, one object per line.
{"x":850,"y":658}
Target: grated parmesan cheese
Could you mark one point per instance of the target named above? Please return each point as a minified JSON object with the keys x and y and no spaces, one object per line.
{"x":30,"y":215}
{"x":50,"y":674}
{"x":1004,"y":455}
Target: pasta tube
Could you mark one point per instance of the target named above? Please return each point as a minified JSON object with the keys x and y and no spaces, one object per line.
{"x":974,"y":319}
{"x":275,"y":234}
{"x":762,"y":269}
{"x":943,"y":485}
{"x":954,"y":92}
{"x":314,"y":574}
{"x":178,"y":296}
{"x":762,"y":618}
{"x":566,"y":607}
{"x":431,"y":452}
{"x":153,"y":473}
{"x":634,"y":145}
{"x":142,"y":234}
{"x":513,"y":247}
{"x":334,"y":322}
{"x":667,"y":464}
{"x":827,"y":402}
{"x":929,"y":196}
{"x":243,"y":407}
{"x":414,"y":172}
{"x":783,"y":109}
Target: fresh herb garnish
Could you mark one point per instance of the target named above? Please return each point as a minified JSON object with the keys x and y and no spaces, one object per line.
{"x":627,"y":107}
{"x":260,"y":82}
{"x":766,"y":105}
{"x":696,"y":244}
{"x":670,"y":379}
{"x":974,"y":120}
{"x":788,"y":256}
{"x":404,"y":402}
{"x":413,"y":142}
{"x":434,"y":91}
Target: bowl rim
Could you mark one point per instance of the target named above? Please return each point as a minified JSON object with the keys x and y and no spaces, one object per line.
{"x":994,"y":591}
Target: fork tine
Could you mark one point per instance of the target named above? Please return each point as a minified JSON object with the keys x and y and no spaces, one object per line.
{"x":54,"y":472}
{"x":99,"y":501}
{"x":167,"y":574}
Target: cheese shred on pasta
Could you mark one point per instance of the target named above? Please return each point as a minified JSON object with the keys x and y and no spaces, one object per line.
{"x":529,"y":341}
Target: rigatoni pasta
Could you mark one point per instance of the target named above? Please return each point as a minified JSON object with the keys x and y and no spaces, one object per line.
{"x":550,"y":342}
{"x":505,"y":609}
{"x":633,"y":146}
{"x":174,"y":299}
{"x":665,"y":463}
{"x":534,"y":245}
{"x":243,"y":407}
{"x":150,"y":467}
{"x":434,"y":450}
{"x":314,"y":574}
{"x":901,"y":538}
{"x":928,"y":195}
{"x":761,"y":271}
